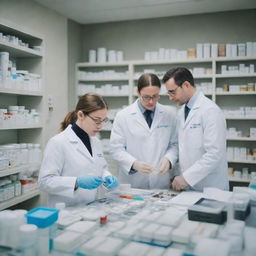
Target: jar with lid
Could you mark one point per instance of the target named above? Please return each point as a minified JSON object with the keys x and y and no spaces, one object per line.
{"x":10,"y":151}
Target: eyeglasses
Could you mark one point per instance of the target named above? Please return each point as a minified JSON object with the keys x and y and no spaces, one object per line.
{"x":147,"y":98}
{"x":172,"y":92}
{"x":98,"y":121}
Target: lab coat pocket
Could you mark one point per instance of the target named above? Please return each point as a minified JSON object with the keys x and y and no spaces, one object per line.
{"x":195,"y":134}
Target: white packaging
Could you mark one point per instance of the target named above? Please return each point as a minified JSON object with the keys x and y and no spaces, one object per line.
{"x":241,"y":50}
{"x":134,"y":248}
{"x":101,"y":55}
{"x":4,"y":62}
{"x":112,"y":56}
{"x":199,"y":51}
{"x":207,"y":51}
{"x":214,"y":50}
{"x":92,"y":56}
{"x":228,"y":51}
{"x":233,"y":50}
{"x":119,"y":56}
{"x":254,"y":49}
{"x":249,"y":49}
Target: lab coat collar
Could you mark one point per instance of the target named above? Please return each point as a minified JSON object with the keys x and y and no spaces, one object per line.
{"x":196,"y":105}
{"x":78,"y":144}
{"x":137,"y":114}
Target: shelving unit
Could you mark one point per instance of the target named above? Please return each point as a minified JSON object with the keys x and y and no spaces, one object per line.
{"x":19,"y":199}
{"x":213,"y":76}
{"x":33,"y":61}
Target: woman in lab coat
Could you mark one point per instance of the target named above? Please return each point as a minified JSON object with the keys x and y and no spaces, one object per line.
{"x":201,"y":135}
{"x":74,"y":166}
{"x":143,"y":138}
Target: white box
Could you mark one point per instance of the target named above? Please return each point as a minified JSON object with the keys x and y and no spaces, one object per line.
{"x":207,"y":51}
{"x":214,"y":50}
{"x":249,"y":50}
{"x":199,"y":51}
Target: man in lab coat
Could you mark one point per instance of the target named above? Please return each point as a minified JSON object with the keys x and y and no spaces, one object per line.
{"x":143,"y":139}
{"x":201,"y":135}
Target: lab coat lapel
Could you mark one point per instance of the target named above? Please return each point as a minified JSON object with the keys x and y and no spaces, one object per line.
{"x":157,"y":116}
{"x":78,"y":144}
{"x":137,"y":116}
{"x":193,"y":110}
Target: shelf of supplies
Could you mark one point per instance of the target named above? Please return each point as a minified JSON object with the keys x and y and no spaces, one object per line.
{"x":222,"y":59}
{"x":163,"y":62}
{"x":10,"y":171}
{"x":195,"y":77}
{"x":242,"y":161}
{"x":22,"y":127}
{"x":235,"y":75}
{"x":234,"y":179}
{"x":19,"y":199}
{"x":106,"y":64}
{"x":241,"y":138}
{"x":110,"y":95}
{"x":240,"y":118}
{"x":18,"y":51}
{"x":20,"y":92}
{"x":104,"y":79}
{"x":235,"y":93}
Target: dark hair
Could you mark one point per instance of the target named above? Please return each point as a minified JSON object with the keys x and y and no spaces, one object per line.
{"x":180,"y":75}
{"x":148,"y":79}
{"x":88,"y":103}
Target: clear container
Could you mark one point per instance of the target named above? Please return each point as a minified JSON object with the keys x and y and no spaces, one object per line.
{"x":37,"y":153}
{"x":30,"y":153}
{"x":253,"y":183}
{"x":11,"y":153}
{"x":4,"y":162}
{"x":24,"y":153}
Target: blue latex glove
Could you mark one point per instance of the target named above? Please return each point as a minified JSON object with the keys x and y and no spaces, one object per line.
{"x":111,"y":181}
{"x":89,"y":182}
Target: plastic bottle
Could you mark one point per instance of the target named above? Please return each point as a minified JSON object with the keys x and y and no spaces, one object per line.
{"x":253,"y":183}
{"x":28,"y":234}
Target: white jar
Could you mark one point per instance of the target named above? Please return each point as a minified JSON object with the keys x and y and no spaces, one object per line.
{"x":37,"y":153}
{"x":30,"y":153}
{"x":92,"y":56}
{"x":24,"y":153}
{"x":4,"y":163}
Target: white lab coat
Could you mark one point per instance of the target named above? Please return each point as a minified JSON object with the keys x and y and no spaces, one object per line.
{"x":202,"y":145}
{"x":131,"y":139}
{"x":66,"y":158}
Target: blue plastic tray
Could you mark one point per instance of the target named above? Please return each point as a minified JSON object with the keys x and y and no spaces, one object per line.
{"x":42,"y":217}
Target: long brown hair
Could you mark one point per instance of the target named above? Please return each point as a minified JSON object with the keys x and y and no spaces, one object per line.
{"x":88,"y":103}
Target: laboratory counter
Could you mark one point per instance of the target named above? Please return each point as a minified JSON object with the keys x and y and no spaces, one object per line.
{"x":153,"y":222}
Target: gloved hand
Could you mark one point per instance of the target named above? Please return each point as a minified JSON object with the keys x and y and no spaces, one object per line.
{"x":89,"y":182}
{"x":142,"y":167}
{"x":164,"y":165}
{"x":111,"y":181}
